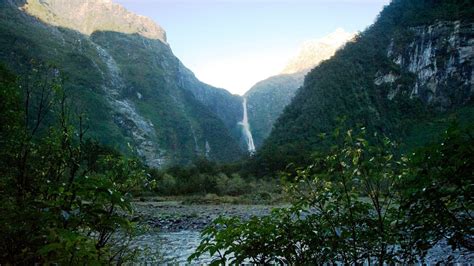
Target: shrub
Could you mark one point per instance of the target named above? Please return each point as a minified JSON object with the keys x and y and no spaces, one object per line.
{"x":64,"y":199}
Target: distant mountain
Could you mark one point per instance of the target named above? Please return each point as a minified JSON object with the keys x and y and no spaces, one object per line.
{"x":401,"y":77}
{"x":267,"y":99}
{"x":313,"y":52}
{"x":121,"y":72}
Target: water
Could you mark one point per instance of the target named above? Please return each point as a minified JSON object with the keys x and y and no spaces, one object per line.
{"x":176,"y":245}
{"x":169,"y":247}
{"x":246,"y":129}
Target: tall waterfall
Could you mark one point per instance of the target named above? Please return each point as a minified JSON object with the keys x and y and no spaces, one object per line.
{"x":246,"y":129}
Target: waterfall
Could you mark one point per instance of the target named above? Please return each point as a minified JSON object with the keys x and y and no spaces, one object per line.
{"x":208,"y":149}
{"x":246,"y":129}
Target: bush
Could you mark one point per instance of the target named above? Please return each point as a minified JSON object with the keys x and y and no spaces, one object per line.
{"x":64,"y":199}
{"x":344,"y":207}
{"x":358,"y":204}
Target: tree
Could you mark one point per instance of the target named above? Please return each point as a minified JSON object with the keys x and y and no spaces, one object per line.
{"x":64,"y":199}
{"x":438,"y":194}
{"x":344,"y":211}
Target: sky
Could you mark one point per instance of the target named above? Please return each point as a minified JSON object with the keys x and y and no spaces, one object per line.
{"x":233,"y":44}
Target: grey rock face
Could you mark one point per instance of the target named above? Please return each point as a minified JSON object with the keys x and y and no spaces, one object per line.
{"x":126,"y":115}
{"x":89,"y":16}
{"x":440,"y":56}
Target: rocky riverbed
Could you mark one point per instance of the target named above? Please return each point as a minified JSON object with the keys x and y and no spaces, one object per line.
{"x":174,"y":231}
{"x":172,"y":216}
{"x":174,"y":228}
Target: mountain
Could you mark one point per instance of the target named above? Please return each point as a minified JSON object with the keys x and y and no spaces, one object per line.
{"x":267,"y":99}
{"x":312,"y":52}
{"x":120,"y":71}
{"x":399,"y":77}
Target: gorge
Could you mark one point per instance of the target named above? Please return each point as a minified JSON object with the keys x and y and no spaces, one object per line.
{"x":359,"y":151}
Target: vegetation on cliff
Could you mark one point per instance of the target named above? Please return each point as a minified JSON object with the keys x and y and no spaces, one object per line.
{"x":347,"y":85}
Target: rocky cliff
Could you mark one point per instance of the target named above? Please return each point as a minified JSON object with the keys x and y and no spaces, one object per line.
{"x":121,"y":72}
{"x":88,"y":17}
{"x":440,"y":56}
{"x":408,"y":71}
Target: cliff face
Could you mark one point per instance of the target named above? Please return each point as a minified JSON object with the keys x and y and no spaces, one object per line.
{"x":123,"y":75}
{"x":440,"y":56}
{"x":89,"y":16}
{"x":412,"y":68}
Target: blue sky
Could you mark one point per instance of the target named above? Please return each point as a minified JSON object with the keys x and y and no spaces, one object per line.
{"x":235,"y":43}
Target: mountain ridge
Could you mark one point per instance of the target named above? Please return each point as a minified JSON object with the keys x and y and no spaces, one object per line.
{"x":387,"y":79}
{"x":268,"y":98}
{"x":133,"y":88}
{"x":89,"y":16}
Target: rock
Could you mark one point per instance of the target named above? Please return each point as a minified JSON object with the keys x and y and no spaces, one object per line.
{"x":89,"y":16}
{"x":440,"y":56}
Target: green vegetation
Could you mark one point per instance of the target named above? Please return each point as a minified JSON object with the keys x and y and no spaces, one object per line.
{"x":65,"y":199}
{"x":344,"y":86}
{"x":361,"y":203}
{"x":266,"y":101}
{"x":356,"y":197}
{"x":23,"y":40}
{"x":183,"y":122}
{"x":206,"y":182}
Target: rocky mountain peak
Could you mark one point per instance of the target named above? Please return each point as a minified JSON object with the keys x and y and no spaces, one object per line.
{"x":89,"y":16}
{"x":313,"y":52}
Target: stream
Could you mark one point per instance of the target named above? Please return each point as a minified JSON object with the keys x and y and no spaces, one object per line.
{"x":175,"y":232}
{"x":174,"y":228}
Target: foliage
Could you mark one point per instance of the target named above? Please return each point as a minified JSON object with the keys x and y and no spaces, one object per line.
{"x":343,"y":212}
{"x":64,"y":199}
{"x":359,"y":203}
{"x":207,"y":177}
{"x":344,"y":86}
{"x":438,"y":199}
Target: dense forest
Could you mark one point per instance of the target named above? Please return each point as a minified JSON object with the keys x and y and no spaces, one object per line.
{"x":344,"y":86}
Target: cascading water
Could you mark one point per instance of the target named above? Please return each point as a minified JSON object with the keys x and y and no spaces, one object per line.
{"x":246,"y":129}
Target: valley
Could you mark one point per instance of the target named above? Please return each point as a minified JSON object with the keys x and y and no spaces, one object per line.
{"x":359,"y":150}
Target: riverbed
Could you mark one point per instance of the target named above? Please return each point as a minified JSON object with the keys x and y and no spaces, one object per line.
{"x":173,"y":231}
{"x":173,"y":228}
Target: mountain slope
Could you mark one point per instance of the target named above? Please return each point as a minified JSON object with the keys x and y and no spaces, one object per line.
{"x":413,"y":64}
{"x":121,"y":72}
{"x":313,"y":52}
{"x":267,"y":99}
